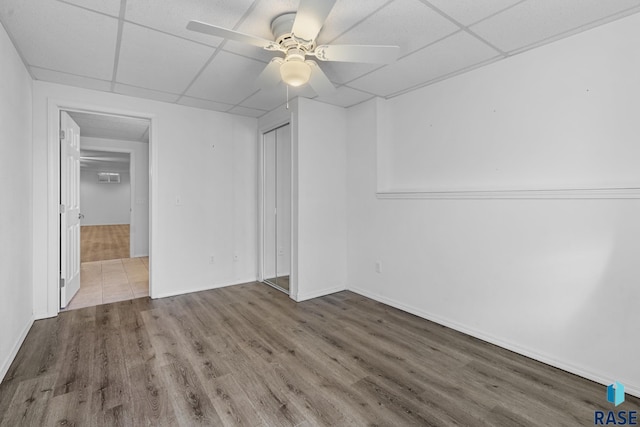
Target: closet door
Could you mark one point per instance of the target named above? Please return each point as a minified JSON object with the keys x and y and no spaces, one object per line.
{"x":283,"y":206}
{"x":269,"y":247}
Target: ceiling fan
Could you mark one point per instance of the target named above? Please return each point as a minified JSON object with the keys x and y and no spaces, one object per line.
{"x":295,"y":36}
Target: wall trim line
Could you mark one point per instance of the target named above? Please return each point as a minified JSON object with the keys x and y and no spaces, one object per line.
{"x":577,"y":193}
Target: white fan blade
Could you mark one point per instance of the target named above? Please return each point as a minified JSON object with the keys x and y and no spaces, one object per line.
{"x":270,"y":76}
{"x":357,"y":53}
{"x":202,"y":27}
{"x":319,"y":81}
{"x":310,"y":18}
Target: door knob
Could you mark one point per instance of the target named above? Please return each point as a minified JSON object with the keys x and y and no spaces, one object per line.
{"x":80,"y":216}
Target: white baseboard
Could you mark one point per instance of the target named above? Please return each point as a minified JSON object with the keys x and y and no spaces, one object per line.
{"x":632,"y":389}
{"x":45,"y":315}
{"x":205,"y":288}
{"x":307,"y":296}
{"x":14,"y":351}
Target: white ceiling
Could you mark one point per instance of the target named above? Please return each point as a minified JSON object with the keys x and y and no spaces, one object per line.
{"x":142,"y":48}
{"x":111,"y":127}
{"x":104,"y":161}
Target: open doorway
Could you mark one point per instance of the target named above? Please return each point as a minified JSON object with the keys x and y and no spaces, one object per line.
{"x":114,"y":209}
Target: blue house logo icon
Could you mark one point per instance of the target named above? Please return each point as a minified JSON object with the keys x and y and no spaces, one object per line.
{"x":615,"y":393}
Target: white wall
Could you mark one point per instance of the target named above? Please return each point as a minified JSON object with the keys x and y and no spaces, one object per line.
{"x":560,"y":116}
{"x":140,"y":159}
{"x":553,"y":279}
{"x":104,"y":204}
{"x":205,"y":159}
{"x":319,"y":139}
{"x":16,"y":304}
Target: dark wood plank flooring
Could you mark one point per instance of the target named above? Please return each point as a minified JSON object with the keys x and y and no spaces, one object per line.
{"x":248,"y":355}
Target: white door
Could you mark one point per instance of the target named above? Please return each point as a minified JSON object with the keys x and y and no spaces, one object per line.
{"x":69,"y":209}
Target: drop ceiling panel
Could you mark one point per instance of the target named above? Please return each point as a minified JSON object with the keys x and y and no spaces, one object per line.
{"x":452,"y":54}
{"x":533,"y":21}
{"x":172,"y":16}
{"x":270,"y":98}
{"x":250,"y":112}
{"x":204,"y":104}
{"x":158,"y":61}
{"x":467,"y":12}
{"x":409,"y":24}
{"x":344,"y":72}
{"x":345,"y":96}
{"x":70,"y":79}
{"x":250,"y":51}
{"x":61,"y":37}
{"x":145,"y":93}
{"x":110,"y":7}
{"x":228,"y":78}
{"x":345,"y":15}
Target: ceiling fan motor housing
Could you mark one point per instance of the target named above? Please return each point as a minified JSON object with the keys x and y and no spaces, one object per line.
{"x":281,"y":29}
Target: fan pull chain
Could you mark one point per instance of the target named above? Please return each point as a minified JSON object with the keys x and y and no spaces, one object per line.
{"x":287,"y":96}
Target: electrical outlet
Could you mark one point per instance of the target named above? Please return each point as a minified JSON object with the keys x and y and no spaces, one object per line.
{"x":178,"y":201}
{"x":212,"y":259}
{"x":236,"y":258}
{"x":378,"y":267}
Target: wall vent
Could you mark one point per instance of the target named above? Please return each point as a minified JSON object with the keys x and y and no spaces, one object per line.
{"x":108,"y":178}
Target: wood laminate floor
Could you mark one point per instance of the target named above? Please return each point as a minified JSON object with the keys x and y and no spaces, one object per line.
{"x":247,"y":355}
{"x":104,"y":242}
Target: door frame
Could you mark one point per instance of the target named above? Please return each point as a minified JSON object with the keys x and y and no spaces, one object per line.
{"x":54,"y":107}
{"x":132,"y":185}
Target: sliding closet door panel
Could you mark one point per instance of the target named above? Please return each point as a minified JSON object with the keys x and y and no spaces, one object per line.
{"x":283,"y":205}
{"x":269,"y":249}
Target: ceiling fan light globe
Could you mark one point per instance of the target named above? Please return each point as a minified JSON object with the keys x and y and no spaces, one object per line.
{"x":295,"y":73}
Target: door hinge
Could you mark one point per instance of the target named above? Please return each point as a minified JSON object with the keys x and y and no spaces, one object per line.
{"x":61,"y":209}
{"x":62,"y":134}
{"x":61,"y":283}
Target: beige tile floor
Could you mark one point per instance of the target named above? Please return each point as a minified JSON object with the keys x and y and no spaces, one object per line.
{"x":103,"y":282}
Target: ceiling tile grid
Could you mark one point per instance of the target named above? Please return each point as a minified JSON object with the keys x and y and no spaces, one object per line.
{"x":70,"y":79}
{"x":534,"y":21}
{"x":408,"y":24}
{"x":172,"y":16}
{"x":244,"y":111}
{"x":450,"y":55}
{"x":62,"y":37}
{"x":108,"y":7}
{"x":467,"y":12}
{"x":142,"y":47}
{"x":227,"y":78}
{"x":204,"y":104}
{"x":140,"y":92}
{"x":158,"y":61}
{"x":345,"y":96}
{"x":270,"y":98}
